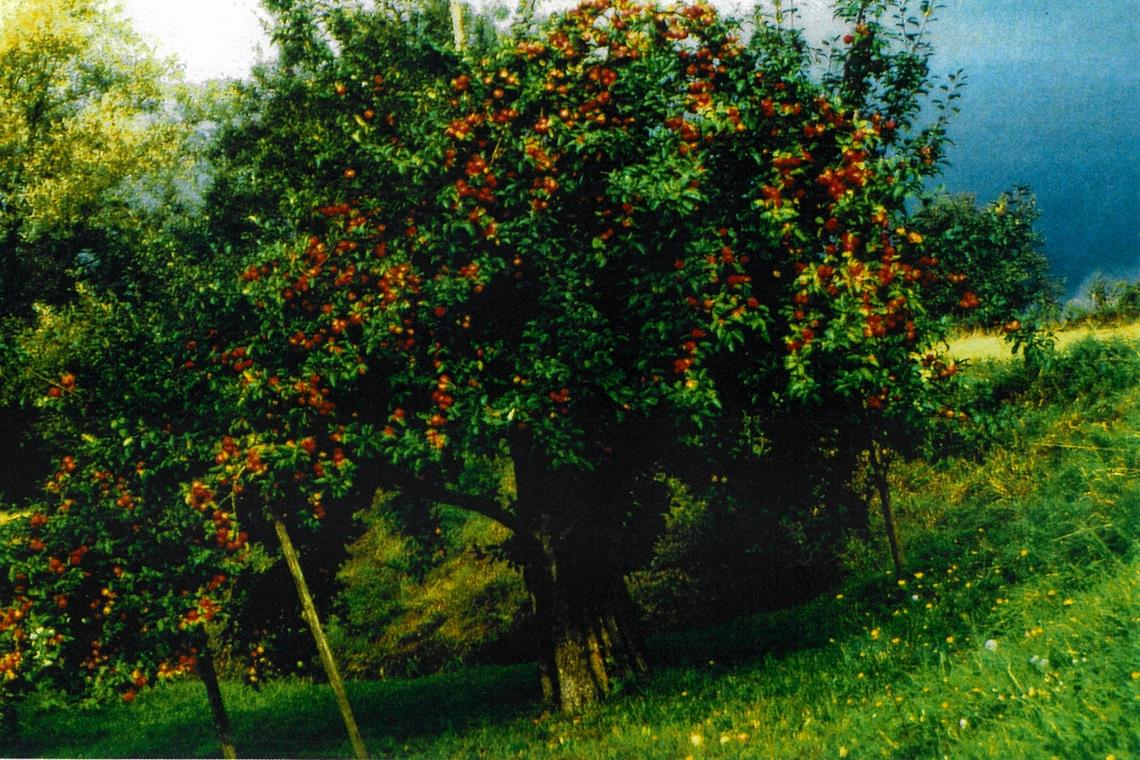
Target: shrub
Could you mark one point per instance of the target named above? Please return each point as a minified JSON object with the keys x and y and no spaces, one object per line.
{"x":421,"y":600}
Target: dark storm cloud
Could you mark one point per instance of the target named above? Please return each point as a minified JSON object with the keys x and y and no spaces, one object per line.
{"x":1051,"y":102}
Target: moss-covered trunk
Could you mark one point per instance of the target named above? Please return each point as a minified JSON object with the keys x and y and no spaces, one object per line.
{"x":571,"y":565}
{"x":587,"y":644}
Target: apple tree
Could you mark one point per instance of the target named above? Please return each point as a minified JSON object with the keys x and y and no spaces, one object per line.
{"x":124,"y":567}
{"x":578,"y":253}
{"x":993,"y":258}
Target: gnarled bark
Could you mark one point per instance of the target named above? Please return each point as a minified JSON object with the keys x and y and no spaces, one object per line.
{"x":570,"y":560}
{"x":586,"y":645}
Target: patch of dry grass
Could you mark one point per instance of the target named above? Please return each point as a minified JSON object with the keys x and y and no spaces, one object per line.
{"x":986,"y":346}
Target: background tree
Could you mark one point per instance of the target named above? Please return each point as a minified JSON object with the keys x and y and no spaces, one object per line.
{"x":996,"y":269}
{"x":90,"y":160}
{"x":1106,"y":300}
{"x":85,"y":147}
{"x":426,"y":590}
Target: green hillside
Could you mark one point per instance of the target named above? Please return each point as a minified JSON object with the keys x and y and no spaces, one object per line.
{"x":1015,"y":633}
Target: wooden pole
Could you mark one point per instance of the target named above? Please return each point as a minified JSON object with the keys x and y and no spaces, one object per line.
{"x":456,"y":8}
{"x":209,"y":676}
{"x":310,"y":613}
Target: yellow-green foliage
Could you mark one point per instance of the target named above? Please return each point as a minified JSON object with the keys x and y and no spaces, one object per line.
{"x":419,"y":604}
{"x":78,"y":94}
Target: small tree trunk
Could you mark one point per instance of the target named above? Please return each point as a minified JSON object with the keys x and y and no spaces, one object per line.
{"x":879,"y":470}
{"x":313,"y":619}
{"x":209,"y":678}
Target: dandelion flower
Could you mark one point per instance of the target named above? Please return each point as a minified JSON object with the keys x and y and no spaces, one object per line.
{"x":696,"y":739}
{"x":963,"y":723}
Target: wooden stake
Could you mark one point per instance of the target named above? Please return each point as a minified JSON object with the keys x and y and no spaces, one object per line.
{"x":310,"y":612}
{"x":209,"y":676}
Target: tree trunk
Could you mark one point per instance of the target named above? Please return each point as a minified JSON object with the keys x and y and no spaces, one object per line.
{"x":309,"y":610}
{"x":222,"y":728}
{"x":586,"y":646}
{"x":879,"y":471}
{"x":571,"y":569}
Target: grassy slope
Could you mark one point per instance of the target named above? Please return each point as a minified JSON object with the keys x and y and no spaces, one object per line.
{"x":1032,"y":549}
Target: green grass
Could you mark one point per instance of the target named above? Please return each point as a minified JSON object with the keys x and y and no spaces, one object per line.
{"x":1015,"y":634}
{"x":290,"y":718}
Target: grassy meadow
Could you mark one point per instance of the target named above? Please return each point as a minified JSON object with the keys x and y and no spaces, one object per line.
{"x":1015,"y":632}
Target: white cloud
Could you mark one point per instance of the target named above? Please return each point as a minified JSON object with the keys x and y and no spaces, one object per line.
{"x":211,"y":38}
{"x":223,"y":38}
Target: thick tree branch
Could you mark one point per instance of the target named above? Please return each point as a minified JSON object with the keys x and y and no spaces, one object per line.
{"x":413,"y":486}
